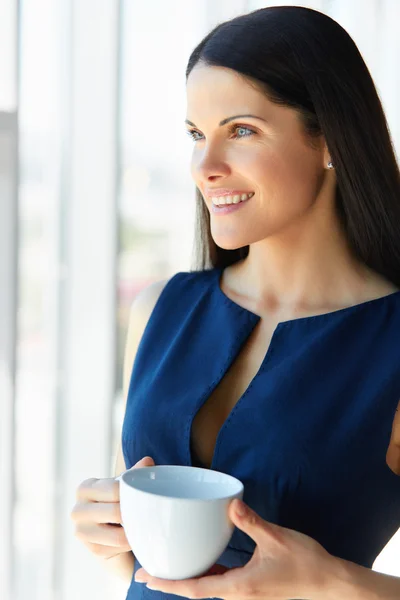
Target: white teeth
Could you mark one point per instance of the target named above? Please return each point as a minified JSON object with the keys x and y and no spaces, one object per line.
{"x":220,"y":200}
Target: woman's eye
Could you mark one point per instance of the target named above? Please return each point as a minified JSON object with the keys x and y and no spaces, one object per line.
{"x":240,"y":129}
{"x":237,"y":131}
{"x":193,"y":135}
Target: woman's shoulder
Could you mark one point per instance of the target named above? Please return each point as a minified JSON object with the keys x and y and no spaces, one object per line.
{"x":172,"y":292}
{"x":150,"y":293}
{"x":177,"y":285}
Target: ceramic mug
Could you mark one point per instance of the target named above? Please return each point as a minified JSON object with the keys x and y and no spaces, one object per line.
{"x":176,"y":518}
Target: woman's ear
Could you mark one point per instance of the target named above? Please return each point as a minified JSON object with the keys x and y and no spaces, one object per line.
{"x":393,"y":451}
{"x":326,"y":155}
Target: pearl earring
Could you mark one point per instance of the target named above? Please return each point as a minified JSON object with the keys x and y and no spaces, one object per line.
{"x":330,"y":165}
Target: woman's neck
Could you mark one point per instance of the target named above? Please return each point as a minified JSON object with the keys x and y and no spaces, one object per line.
{"x":305,"y":271}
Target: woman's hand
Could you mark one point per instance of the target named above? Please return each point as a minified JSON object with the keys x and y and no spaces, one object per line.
{"x":285,"y":564}
{"x":97,"y":515}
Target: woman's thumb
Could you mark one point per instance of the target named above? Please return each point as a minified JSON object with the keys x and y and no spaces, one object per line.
{"x":147,"y":461}
{"x":247,"y":520}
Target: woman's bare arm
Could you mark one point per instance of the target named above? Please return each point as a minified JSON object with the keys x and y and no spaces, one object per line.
{"x":122,"y":565}
{"x":359,"y":583}
{"x":393,"y":453}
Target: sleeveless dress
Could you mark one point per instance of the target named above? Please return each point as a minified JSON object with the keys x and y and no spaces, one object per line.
{"x":309,"y":436}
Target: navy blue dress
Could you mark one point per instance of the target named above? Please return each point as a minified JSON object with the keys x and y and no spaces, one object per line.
{"x":309,"y":436}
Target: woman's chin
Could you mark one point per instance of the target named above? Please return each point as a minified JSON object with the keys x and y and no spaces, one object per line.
{"x":231,"y":238}
{"x":228,"y":245}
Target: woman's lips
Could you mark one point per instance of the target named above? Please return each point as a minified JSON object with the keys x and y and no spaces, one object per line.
{"x":226,"y":209}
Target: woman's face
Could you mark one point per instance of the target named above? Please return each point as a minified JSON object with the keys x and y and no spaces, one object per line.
{"x":266,"y":154}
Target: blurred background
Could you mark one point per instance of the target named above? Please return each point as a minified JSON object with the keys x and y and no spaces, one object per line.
{"x":96,"y":201}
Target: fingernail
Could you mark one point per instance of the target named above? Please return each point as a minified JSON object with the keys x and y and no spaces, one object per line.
{"x":240,"y":508}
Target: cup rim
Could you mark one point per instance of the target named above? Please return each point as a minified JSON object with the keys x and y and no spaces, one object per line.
{"x":121,"y":478}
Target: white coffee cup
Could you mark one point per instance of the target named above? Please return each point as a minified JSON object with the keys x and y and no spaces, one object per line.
{"x":176,"y":518}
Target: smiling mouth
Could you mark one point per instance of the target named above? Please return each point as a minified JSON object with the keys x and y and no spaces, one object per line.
{"x":235,"y":199}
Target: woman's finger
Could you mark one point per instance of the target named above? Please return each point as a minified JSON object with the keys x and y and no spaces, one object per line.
{"x":253,"y":525}
{"x":105,"y":551}
{"x":97,"y":512}
{"x":215,"y":586}
{"x":98,"y":490}
{"x":107,"y":535}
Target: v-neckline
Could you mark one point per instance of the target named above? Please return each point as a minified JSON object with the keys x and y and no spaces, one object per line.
{"x":248,"y":320}
{"x":211,"y":389}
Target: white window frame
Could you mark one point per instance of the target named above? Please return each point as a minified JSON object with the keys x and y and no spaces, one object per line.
{"x":8,"y":312}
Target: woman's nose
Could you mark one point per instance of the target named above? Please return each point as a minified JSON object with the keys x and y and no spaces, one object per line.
{"x":209,"y":166}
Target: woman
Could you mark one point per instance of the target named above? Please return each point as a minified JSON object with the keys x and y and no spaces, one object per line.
{"x":280,"y":363}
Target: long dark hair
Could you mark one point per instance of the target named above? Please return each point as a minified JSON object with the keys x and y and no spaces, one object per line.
{"x":305,"y":60}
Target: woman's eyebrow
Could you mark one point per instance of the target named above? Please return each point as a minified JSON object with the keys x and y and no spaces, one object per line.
{"x":225,"y":121}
